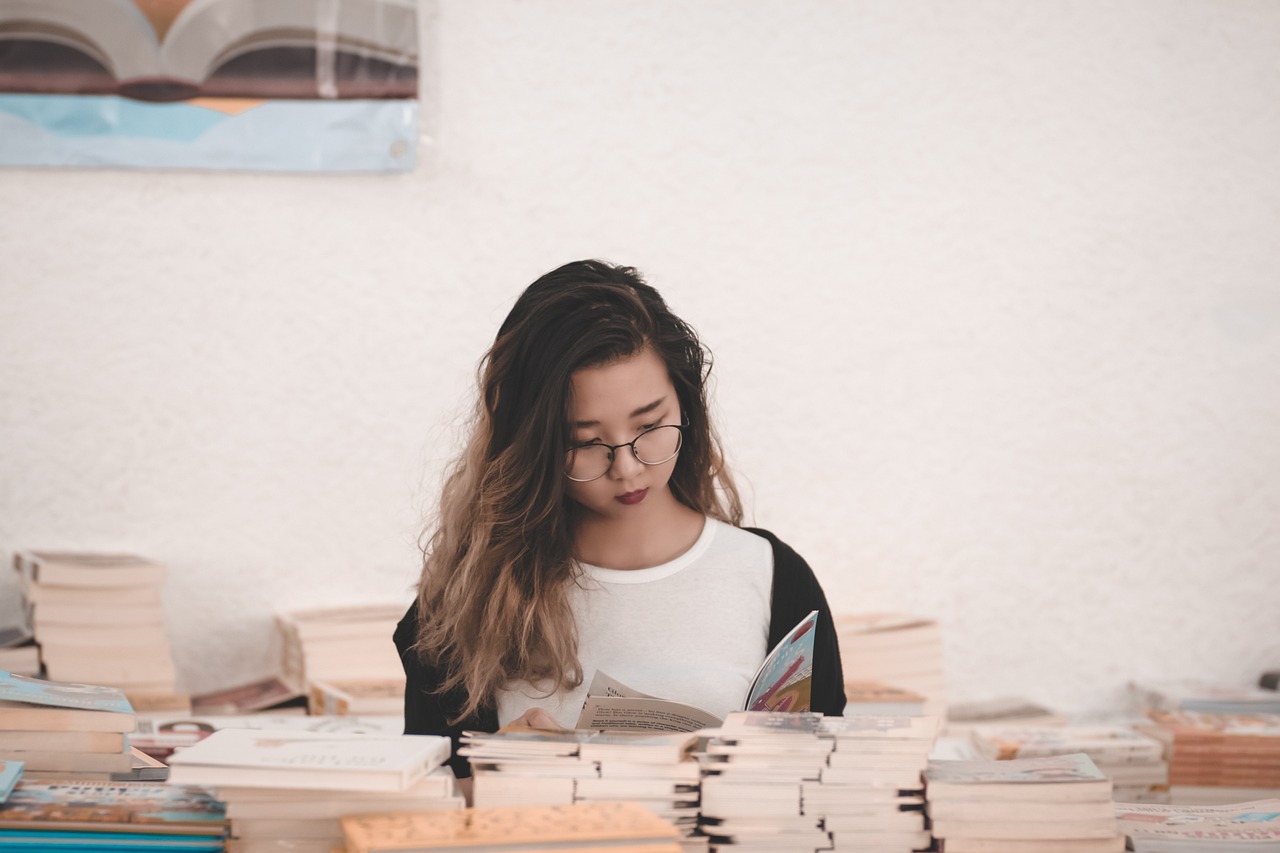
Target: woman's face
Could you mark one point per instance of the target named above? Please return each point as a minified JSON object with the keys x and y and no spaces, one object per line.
{"x":611,"y":404}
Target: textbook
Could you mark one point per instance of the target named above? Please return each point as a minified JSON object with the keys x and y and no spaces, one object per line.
{"x":782,"y":683}
{"x":10,"y":773}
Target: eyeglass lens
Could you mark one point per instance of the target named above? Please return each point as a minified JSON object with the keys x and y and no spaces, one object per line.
{"x":653,"y":447}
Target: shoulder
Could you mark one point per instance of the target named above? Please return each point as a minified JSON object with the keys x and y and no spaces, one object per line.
{"x":786,"y":561}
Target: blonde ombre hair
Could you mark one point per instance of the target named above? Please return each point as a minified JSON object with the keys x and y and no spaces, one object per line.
{"x":493,"y":602}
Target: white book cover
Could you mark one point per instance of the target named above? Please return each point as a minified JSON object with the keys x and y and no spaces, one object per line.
{"x":308,"y":760}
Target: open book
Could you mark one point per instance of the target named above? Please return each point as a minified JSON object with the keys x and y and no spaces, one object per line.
{"x":782,"y":683}
{"x":169,"y":50}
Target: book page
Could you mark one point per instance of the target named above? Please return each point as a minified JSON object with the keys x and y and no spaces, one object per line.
{"x":628,"y":713}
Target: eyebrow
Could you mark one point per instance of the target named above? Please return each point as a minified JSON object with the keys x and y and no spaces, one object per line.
{"x":643,"y":410}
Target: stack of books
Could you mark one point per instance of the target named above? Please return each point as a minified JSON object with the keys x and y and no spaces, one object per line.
{"x":962,"y":717}
{"x":796,"y":781}
{"x":1134,"y":762}
{"x":527,"y":767}
{"x":870,"y":794}
{"x":120,"y":816}
{"x":286,"y":790}
{"x":61,"y":730}
{"x":99,"y":618}
{"x":898,"y":650}
{"x":1252,"y":826}
{"x":624,"y":827}
{"x":346,"y":653}
{"x":1219,"y":758}
{"x":1202,"y":696}
{"x":1025,"y":805}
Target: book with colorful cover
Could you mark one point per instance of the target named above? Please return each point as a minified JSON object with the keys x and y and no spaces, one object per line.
{"x":783,"y":683}
{"x":34,"y":704}
{"x":1073,"y":778}
{"x":1253,"y":825}
{"x":310,"y":760}
{"x":627,"y":826}
{"x":10,"y":773}
{"x":113,"y":807}
{"x":1115,"y":744}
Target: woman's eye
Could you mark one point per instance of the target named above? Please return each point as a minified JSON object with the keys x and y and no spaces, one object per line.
{"x":648,"y":427}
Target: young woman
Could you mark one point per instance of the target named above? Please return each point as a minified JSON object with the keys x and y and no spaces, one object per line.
{"x":590,"y":525}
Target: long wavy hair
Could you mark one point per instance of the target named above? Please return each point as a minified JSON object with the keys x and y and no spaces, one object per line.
{"x":493,"y":601}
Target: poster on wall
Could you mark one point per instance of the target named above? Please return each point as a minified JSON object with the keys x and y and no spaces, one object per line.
{"x":261,"y":85}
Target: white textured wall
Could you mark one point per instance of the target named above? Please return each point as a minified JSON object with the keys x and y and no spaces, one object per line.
{"x":992,"y":288}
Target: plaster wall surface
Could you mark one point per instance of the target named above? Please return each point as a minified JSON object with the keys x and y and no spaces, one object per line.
{"x":993,"y":290}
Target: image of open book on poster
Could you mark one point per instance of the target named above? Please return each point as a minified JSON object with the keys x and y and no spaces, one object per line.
{"x":782,"y":683}
{"x":171,"y":50}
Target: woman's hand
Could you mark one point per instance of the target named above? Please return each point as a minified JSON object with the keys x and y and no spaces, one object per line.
{"x":535,"y":718}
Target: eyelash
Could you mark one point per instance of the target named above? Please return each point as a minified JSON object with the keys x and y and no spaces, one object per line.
{"x":643,"y":428}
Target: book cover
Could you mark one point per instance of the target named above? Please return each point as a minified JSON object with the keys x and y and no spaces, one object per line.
{"x":61,"y":694}
{"x":516,"y":828}
{"x":1249,"y":824}
{"x":309,"y":760}
{"x":113,"y":807}
{"x":10,"y":773}
{"x":782,"y":683}
{"x":1099,"y":742}
{"x":1071,"y":777}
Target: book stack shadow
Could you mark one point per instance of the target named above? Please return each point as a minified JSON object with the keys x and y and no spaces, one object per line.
{"x":288,"y":790}
{"x":800,"y":781}
{"x":527,"y":767}
{"x":99,"y":618}
{"x":1056,"y":804}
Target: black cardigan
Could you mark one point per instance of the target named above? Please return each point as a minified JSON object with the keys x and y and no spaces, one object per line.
{"x":795,"y":592}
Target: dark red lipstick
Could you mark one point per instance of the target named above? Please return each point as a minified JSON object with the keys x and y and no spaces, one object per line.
{"x":632,"y":498}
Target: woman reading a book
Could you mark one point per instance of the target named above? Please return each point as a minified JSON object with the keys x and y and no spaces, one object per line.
{"x":591,"y":525}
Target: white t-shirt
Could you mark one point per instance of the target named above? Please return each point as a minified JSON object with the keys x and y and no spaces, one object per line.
{"x":693,"y":630}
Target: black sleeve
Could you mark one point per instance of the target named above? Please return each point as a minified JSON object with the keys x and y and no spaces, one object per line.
{"x":796,"y":592}
{"x":426,"y":710}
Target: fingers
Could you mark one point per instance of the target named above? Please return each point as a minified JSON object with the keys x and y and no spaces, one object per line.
{"x":535,"y":718}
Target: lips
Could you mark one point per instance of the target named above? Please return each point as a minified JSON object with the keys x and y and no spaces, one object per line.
{"x":631,"y":498}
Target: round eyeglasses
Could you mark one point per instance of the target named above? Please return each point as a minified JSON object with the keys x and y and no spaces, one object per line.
{"x":656,"y":445}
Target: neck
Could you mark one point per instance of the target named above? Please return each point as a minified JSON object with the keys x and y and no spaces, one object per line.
{"x":659,"y":532}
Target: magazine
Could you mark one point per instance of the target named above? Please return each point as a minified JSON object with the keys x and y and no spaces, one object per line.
{"x":782,"y":683}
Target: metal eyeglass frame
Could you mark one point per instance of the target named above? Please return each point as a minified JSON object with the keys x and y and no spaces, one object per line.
{"x":614,"y":448}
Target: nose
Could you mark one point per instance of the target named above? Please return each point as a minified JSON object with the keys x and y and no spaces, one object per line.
{"x":625,"y":464}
